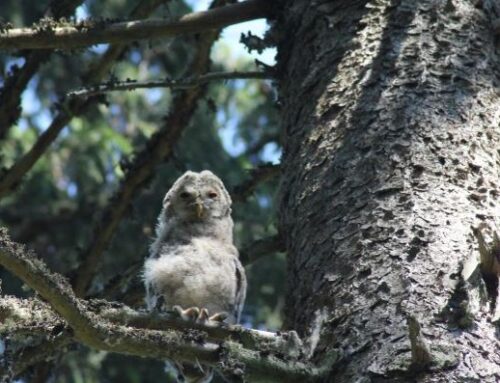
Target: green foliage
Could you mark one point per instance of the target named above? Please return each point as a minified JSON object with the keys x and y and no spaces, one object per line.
{"x":55,"y":207}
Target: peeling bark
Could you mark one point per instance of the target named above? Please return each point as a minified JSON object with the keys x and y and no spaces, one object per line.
{"x":391,"y":118}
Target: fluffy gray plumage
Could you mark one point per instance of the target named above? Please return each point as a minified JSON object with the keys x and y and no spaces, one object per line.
{"x":193,"y":262}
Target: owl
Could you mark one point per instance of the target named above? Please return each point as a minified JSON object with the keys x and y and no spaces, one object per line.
{"x":193,"y":266}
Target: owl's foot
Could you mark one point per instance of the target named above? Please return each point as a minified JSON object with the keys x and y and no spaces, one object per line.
{"x":189,"y":314}
{"x":194,"y":314}
{"x":204,"y":317}
{"x":219,"y":317}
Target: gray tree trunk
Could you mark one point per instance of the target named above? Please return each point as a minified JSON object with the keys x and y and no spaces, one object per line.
{"x":391,"y":115}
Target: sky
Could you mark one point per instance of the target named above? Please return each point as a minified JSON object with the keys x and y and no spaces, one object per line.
{"x":230,"y":37}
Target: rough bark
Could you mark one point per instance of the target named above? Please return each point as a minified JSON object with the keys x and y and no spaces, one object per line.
{"x":390,"y":111}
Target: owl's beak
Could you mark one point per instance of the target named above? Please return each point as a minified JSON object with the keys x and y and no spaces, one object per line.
{"x":199,"y":209}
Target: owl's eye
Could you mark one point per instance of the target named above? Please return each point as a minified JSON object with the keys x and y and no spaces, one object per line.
{"x":212,"y":195}
{"x":184,"y":195}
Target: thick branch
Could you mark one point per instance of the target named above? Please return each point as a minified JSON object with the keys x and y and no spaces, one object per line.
{"x":90,"y":33}
{"x":172,"y":84}
{"x":34,"y":316}
{"x":11,"y":177}
{"x":157,"y":150}
{"x":95,"y":329}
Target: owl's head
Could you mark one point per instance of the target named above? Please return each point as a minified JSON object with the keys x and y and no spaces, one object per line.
{"x":197,"y":197}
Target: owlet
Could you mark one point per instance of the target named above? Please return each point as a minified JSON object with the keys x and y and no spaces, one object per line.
{"x":193,"y":266}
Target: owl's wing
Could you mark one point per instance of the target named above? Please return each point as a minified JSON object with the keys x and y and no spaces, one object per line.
{"x":241,"y":289}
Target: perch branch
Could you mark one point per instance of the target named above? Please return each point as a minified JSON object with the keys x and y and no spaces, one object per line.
{"x":90,"y":33}
{"x":157,"y":150}
{"x":172,"y":84}
{"x":12,"y":176}
{"x":24,"y":315}
{"x":95,"y":329}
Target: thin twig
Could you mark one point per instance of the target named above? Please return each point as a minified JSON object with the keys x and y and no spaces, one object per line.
{"x":90,"y":33}
{"x":181,"y":84}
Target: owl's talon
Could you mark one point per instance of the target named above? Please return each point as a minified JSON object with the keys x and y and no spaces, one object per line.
{"x":219,"y":317}
{"x":189,"y":314}
{"x":203,"y":316}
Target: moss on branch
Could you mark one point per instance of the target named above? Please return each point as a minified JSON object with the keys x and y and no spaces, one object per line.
{"x":114,"y":327}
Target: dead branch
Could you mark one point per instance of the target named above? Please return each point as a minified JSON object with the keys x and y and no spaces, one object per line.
{"x":16,"y":82}
{"x":181,"y":84}
{"x":10,"y":178}
{"x":90,"y":33}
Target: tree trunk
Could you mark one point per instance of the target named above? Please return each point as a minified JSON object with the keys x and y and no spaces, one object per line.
{"x":391,"y":164}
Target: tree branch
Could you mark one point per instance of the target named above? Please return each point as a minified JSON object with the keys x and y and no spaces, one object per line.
{"x":16,"y":82}
{"x":260,"y":248}
{"x":257,"y":146}
{"x":181,"y":84}
{"x":11,"y":177}
{"x":34,"y":316}
{"x":90,"y":33}
{"x":257,"y":175}
{"x":44,"y":351}
{"x":157,"y":150}
{"x":101,"y":325}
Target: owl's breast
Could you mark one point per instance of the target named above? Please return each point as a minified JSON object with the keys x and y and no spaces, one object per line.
{"x":201,"y":273}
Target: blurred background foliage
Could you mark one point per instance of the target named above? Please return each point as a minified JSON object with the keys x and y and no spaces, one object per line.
{"x":234,"y":129}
